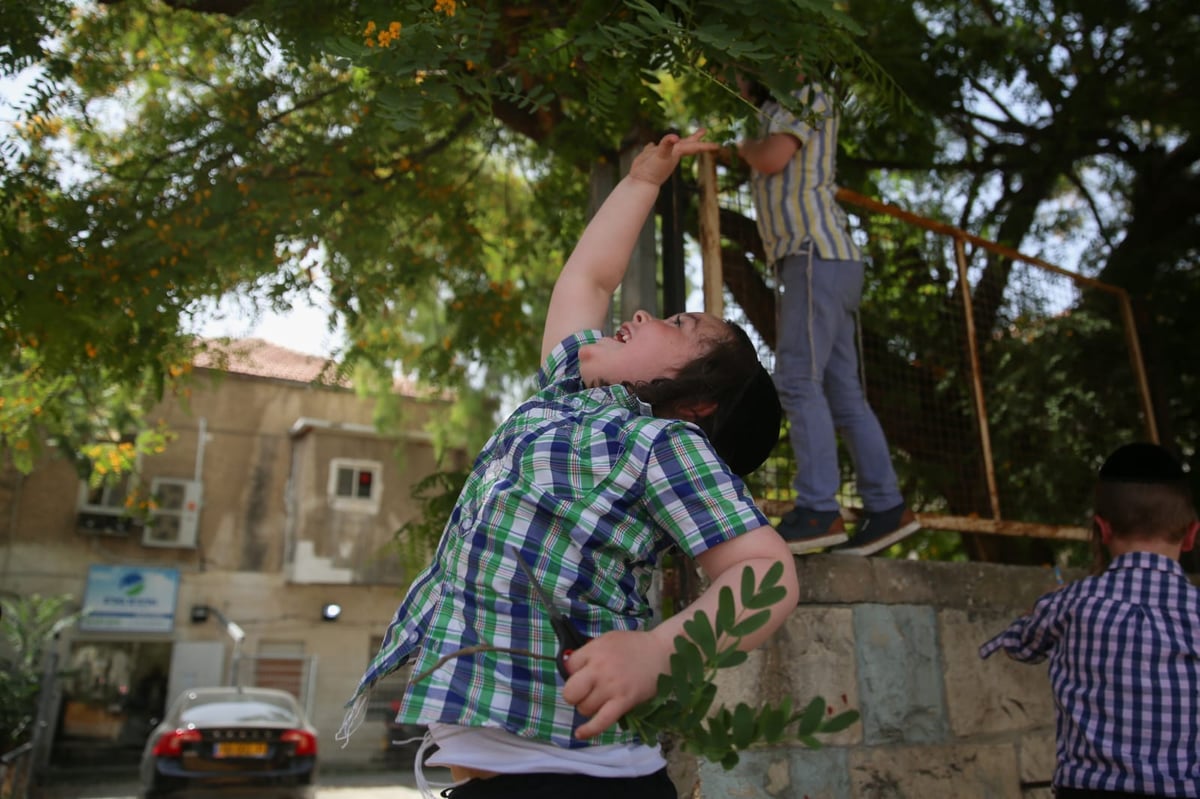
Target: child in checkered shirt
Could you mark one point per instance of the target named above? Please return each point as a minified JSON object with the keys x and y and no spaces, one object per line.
{"x":635,"y":443}
{"x":1124,"y":645}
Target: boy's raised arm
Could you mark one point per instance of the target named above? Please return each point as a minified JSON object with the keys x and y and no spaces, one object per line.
{"x":598,"y":262}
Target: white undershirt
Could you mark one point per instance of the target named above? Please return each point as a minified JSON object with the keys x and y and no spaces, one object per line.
{"x":493,"y":749}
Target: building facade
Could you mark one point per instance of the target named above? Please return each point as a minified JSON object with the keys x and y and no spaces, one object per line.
{"x":271,"y":556}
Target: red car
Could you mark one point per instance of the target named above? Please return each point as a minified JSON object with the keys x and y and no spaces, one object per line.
{"x":228,"y":738}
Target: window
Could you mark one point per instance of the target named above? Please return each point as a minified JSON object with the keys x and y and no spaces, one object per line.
{"x":105,"y":498}
{"x":355,"y":484}
{"x":282,"y":664}
{"x":102,"y":509}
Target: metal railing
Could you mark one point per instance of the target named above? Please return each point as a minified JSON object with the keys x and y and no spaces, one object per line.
{"x":942,"y":341}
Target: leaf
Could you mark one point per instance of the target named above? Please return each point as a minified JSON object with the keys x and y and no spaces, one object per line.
{"x":701,"y":704}
{"x":811,"y":717}
{"x":695,"y":665}
{"x":681,"y":668}
{"x":751,"y":623}
{"x":758,"y":597}
{"x":840,"y":722}
{"x":731,"y":657}
{"x":699,"y":630}
{"x":726,"y":613}
{"x":744,"y":724}
{"x":748,"y":585}
{"x":772,"y":723}
{"x":718,"y":728}
{"x":663,"y":713}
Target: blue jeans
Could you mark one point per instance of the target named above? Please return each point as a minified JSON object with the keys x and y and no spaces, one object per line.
{"x":817,"y":376}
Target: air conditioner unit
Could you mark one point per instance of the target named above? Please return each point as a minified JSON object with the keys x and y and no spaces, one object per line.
{"x":175,"y":520}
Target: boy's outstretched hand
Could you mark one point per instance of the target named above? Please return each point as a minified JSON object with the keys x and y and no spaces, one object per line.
{"x":655,"y":163}
{"x":613,"y":674}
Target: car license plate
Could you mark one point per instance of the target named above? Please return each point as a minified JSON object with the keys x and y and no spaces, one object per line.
{"x":240,"y":749}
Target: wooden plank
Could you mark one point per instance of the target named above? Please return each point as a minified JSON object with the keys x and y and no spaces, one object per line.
{"x":965,"y":524}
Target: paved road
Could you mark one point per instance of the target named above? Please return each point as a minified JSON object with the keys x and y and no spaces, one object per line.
{"x":334,"y":785}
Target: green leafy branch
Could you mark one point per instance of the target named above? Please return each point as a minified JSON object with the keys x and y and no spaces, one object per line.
{"x":683,"y":705}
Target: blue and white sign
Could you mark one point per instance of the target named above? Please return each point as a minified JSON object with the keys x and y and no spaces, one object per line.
{"x":134,"y":599}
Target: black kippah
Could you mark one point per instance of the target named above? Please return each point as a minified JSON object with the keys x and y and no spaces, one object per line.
{"x":1141,"y":462}
{"x":747,"y":430}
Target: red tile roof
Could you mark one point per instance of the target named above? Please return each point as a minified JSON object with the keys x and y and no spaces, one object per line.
{"x":259,"y":358}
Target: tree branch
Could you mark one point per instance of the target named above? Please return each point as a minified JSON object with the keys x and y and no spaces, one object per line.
{"x":474,"y":650}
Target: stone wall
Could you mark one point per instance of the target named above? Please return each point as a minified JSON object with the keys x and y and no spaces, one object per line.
{"x":899,"y":641}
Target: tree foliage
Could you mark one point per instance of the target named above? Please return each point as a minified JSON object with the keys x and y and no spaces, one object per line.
{"x":1065,"y":130}
{"x":418,"y":166}
{"x":28,"y":625}
{"x":422,"y":168}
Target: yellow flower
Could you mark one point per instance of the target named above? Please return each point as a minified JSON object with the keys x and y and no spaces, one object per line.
{"x":386,"y":37}
{"x":447,"y":7}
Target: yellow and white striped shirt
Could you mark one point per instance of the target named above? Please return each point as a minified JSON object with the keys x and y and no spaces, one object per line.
{"x":798,"y":202}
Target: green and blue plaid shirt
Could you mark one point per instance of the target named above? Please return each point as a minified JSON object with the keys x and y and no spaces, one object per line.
{"x":591,"y":489}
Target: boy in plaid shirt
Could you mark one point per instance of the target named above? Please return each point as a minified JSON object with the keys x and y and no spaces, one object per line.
{"x":633,"y":444}
{"x":1124,"y":646}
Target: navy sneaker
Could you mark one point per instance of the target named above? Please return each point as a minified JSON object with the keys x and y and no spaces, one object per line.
{"x":880,"y":530}
{"x":809,"y":530}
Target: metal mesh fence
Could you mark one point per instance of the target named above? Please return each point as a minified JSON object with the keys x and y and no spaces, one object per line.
{"x":987,"y":395}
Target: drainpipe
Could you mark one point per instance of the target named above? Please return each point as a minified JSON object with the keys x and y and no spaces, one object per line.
{"x":14,"y":513}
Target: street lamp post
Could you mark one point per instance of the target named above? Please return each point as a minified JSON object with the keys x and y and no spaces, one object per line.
{"x":200,"y":613}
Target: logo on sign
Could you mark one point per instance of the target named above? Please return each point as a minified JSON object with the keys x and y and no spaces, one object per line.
{"x":132,"y":584}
